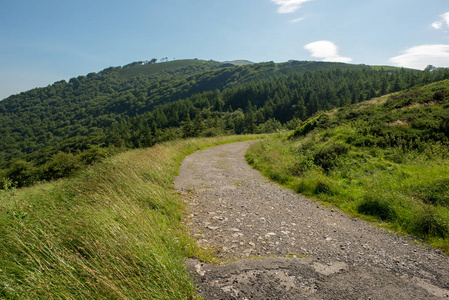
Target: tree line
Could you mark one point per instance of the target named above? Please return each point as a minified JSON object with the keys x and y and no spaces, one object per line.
{"x":91,"y":116}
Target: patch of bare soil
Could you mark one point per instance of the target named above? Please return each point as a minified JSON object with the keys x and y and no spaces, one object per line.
{"x":281,"y":245}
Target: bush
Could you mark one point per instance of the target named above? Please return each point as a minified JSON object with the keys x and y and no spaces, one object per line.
{"x":270,"y":126}
{"x":211,"y":132}
{"x":435,"y":193}
{"x":309,"y":125}
{"x":314,"y":184}
{"x":427,"y":222}
{"x":326,"y":157}
{"x":376,"y":206}
{"x":323,"y":187}
{"x":60,"y":165}
{"x":440,"y":95}
{"x":303,"y":164}
{"x":22,"y":173}
{"x":93,"y":154}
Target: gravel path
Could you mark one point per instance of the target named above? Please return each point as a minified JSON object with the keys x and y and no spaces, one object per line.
{"x":304,"y":250}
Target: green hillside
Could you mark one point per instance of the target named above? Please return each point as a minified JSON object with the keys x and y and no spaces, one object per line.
{"x":47,"y":133}
{"x":126,"y":73}
{"x":386,"y":159}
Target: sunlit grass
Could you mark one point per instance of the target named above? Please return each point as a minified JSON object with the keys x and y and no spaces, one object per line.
{"x":384,"y":160}
{"x":112,"y":231}
{"x":410,"y":197}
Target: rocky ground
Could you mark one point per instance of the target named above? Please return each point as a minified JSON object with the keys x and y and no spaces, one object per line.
{"x":280,"y":245}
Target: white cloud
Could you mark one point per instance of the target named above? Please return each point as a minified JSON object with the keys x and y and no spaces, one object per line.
{"x":446,"y":18}
{"x":289,"y":6}
{"x":296,"y":20}
{"x":437,"y":25}
{"x":419,"y":57}
{"x":326,"y":50}
{"x":442,"y":22}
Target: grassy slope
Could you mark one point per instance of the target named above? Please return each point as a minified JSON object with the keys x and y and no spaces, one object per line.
{"x":112,"y":231}
{"x":385,"y":160}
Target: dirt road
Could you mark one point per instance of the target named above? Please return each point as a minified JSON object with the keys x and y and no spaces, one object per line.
{"x":284,"y":246}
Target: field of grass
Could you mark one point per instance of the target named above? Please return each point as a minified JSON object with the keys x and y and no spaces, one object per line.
{"x":385,"y":160}
{"x":111,"y":231}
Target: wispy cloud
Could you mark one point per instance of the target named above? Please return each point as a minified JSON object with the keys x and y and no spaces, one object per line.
{"x":442,"y":23}
{"x":419,"y":57}
{"x":289,"y":6}
{"x":327,"y":51}
{"x":297,"y":20}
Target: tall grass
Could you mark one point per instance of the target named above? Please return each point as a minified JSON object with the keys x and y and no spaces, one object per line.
{"x":410,"y":197}
{"x":385,"y":159}
{"x":112,"y":231}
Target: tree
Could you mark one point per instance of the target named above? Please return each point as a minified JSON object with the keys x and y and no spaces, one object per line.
{"x":299,"y":108}
{"x":313,"y":104}
{"x":187,"y":130}
{"x":198,"y":125}
{"x":249,"y":125}
{"x":398,"y":84}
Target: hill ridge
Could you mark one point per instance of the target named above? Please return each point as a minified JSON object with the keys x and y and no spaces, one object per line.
{"x":91,"y":115}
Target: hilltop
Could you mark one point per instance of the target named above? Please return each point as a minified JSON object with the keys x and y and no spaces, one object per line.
{"x":239,"y":62}
{"x":148,"y":68}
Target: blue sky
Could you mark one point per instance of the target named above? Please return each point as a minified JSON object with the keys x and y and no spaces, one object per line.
{"x":48,"y":40}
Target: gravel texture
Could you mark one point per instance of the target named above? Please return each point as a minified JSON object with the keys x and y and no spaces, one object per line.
{"x":281,"y":245}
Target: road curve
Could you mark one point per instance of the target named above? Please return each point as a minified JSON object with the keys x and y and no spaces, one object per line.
{"x":281,"y":245}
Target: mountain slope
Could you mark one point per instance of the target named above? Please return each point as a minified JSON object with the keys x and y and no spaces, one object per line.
{"x":145,"y":103}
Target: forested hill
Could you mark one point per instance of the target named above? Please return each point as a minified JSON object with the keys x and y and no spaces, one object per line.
{"x":145,"y":102}
{"x":46,"y":116}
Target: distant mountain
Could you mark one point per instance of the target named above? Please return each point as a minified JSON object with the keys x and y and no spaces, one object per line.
{"x":238,"y":62}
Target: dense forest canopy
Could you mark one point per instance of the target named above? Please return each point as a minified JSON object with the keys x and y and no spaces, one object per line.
{"x":143,"y":103}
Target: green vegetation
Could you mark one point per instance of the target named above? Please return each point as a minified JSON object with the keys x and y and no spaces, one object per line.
{"x":147,"y":68}
{"x":386,"y":159}
{"x":50,"y":132}
{"x":112,"y":231}
{"x":112,"y":228}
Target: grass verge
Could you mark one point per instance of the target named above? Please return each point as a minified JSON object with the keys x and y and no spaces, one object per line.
{"x":410,"y":197}
{"x":385,"y":160}
{"x":111,"y":231}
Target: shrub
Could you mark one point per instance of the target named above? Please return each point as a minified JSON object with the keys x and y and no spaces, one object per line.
{"x":309,"y":125}
{"x":22,"y":173}
{"x":326,"y":157}
{"x":435,"y":193}
{"x":440,"y":95}
{"x":210,"y":132}
{"x":314,"y":184}
{"x":427,"y":222}
{"x":323,"y":187}
{"x":60,"y":165}
{"x":377,"y":206}
{"x":93,"y":154}
{"x":303,"y":164}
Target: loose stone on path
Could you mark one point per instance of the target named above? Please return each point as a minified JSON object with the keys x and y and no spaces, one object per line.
{"x":313,"y":252}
